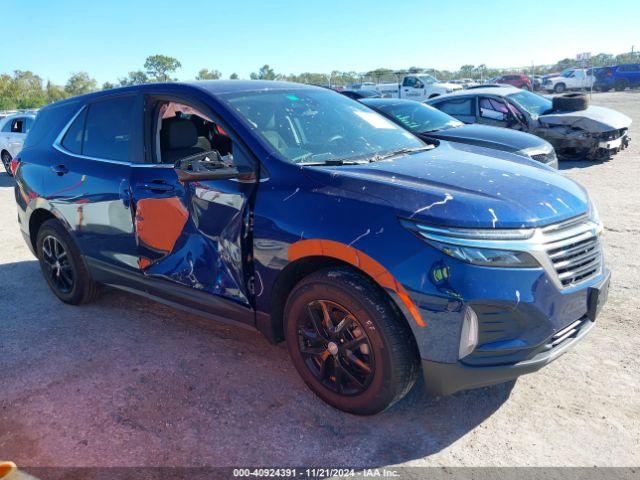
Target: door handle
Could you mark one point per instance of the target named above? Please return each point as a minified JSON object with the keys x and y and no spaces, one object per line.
{"x":60,"y":170}
{"x":158,"y":186}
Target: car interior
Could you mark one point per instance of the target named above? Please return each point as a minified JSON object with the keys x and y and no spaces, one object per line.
{"x":182,"y":131}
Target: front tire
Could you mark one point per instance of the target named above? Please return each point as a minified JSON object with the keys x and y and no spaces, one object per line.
{"x":62,"y":265}
{"x":560,"y":88}
{"x":349,"y":343}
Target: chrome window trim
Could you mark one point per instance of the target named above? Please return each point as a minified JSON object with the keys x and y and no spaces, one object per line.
{"x":57,"y":144}
{"x":538,"y":244}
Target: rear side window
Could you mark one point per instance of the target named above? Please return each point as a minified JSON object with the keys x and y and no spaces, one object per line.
{"x":18,"y":125}
{"x":72,"y":140}
{"x":108,"y":129}
{"x":462,"y":106}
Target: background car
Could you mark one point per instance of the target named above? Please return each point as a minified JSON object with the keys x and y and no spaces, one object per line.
{"x":575,"y":132}
{"x":13,"y":131}
{"x":517,"y":80}
{"x":431,"y":124}
{"x":619,"y":77}
{"x":569,"y":79}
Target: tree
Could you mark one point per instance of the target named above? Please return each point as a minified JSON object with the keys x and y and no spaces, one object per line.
{"x":79,"y":84}
{"x":380,"y":73}
{"x":159,"y":67}
{"x":108,"y":86}
{"x":233,"y":76}
{"x":134,"y":78}
{"x":206,"y":74}
{"x":265,"y":73}
{"x":55,"y":92}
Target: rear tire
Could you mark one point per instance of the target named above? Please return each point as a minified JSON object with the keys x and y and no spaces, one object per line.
{"x":560,"y":88}
{"x":6,"y":162}
{"x":348,"y":342}
{"x":62,"y":265}
{"x":621,"y":85}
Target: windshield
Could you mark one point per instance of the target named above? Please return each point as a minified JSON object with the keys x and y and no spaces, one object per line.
{"x":532,"y":102}
{"x":428,"y":79}
{"x":418,"y":117}
{"x":316,"y":126}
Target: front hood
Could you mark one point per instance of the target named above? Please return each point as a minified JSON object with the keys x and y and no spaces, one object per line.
{"x":459,"y":185}
{"x":491,"y":137}
{"x":594,"y":119}
{"x":552,"y":79}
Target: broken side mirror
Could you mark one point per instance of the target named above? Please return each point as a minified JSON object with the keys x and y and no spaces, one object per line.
{"x":210,"y":166}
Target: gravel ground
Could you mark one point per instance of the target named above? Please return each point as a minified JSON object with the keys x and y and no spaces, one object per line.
{"x":128,"y":382}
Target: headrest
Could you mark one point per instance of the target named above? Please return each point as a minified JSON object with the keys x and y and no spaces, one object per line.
{"x":178,"y":133}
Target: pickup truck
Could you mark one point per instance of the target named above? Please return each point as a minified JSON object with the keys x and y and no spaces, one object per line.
{"x":416,"y":87}
{"x":569,"y":79}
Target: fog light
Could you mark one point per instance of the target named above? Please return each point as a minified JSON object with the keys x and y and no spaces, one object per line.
{"x":469,"y":333}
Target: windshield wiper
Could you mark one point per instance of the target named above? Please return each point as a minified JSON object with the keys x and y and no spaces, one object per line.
{"x":397,"y":153}
{"x":329,"y":163}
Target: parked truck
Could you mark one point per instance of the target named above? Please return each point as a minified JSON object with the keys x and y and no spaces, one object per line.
{"x":569,"y":79}
{"x":416,"y":87}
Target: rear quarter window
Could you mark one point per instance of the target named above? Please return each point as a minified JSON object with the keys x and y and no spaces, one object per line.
{"x":49,"y":123}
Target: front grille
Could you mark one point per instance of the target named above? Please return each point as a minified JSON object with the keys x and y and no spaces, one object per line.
{"x":574,"y":251}
{"x":613,"y":134}
{"x":545,"y":157}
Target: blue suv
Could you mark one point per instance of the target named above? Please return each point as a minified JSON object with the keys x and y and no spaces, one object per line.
{"x":308,"y":216}
{"x":619,"y":77}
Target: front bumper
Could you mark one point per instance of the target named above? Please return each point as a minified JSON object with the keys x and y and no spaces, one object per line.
{"x":448,"y":378}
{"x":607,"y":148}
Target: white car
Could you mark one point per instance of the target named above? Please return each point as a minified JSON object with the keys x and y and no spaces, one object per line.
{"x":569,"y":79}
{"x":416,"y":87}
{"x":13,"y":131}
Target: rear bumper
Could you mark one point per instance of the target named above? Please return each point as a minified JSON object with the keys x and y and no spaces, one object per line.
{"x":448,"y":378}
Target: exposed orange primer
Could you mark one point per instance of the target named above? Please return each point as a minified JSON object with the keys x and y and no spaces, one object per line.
{"x":144,"y":262}
{"x":352,"y":256}
{"x":6,"y":468}
{"x":159,"y":222}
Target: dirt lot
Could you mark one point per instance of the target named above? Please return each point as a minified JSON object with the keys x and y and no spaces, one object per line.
{"x":126,"y":381}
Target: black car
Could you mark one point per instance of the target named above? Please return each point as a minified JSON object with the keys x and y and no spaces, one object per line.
{"x":430,"y":123}
{"x":360,"y":94}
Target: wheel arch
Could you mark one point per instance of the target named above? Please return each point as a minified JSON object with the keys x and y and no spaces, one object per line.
{"x":309,"y":256}
{"x":36,"y":219}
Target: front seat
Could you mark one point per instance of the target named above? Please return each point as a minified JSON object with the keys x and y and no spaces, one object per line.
{"x":178,"y":139}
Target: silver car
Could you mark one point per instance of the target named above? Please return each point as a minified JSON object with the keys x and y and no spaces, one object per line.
{"x":13,"y":131}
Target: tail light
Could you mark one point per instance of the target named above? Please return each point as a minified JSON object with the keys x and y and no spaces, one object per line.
{"x":15,"y":162}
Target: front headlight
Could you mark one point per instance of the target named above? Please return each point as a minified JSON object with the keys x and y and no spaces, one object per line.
{"x":594,"y":216}
{"x":487,"y":257}
{"x":487,"y":248}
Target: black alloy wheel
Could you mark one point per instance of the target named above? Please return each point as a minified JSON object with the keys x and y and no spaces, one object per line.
{"x":336,"y":348}
{"x":62,"y":265}
{"x":56,"y":264}
{"x":348,"y":341}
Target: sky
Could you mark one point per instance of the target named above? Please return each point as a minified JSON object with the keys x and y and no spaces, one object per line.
{"x":108,"y":39}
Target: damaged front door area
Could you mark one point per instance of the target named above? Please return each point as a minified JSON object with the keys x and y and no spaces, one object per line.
{"x":191,"y":233}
